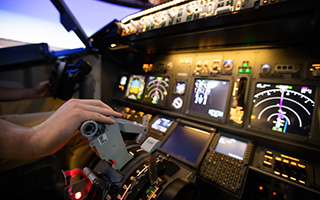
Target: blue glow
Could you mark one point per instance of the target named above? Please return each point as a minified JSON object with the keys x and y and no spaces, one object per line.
{"x":36,"y":21}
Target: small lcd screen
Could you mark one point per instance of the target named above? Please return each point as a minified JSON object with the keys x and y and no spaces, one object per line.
{"x":186,"y":142}
{"x":231,"y":147}
{"x":156,"y":90}
{"x":180,"y":87}
{"x":135,"y":87}
{"x":283,"y":108}
{"x":161,"y":124}
{"x":209,"y":97}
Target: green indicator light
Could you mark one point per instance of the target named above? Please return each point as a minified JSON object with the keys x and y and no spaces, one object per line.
{"x":152,"y":26}
{"x":245,"y":64}
{"x":275,"y":129}
{"x":240,"y":70}
{"x":180,"y":13}
{"x":277,"y":86}
{"x":197,"y":15}
{"x":171,"y":21}
{"x":230,"y":1}
{"x":179,"y":19}
{"x":290,"y":87}
{"x":138,"y":97}
{"x":189,"y":17}
{"x":163,"y":23}
{"x":148,"y":27}
{"x":247,"y":71}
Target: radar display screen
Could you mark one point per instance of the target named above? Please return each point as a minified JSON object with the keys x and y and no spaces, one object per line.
{"x":186,"y":142}
{"x":156,"y":90}
{"x":161,"y":124}
{"x":135,"y":87}
{"x":283,"y":108}
{"x":231,"y":147}
{"x":209,"y":97}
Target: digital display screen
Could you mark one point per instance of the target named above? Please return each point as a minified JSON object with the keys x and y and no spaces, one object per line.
{"x":231,"y":147}
{"x":209,"y":97}
{"x":180,"y":87}
{"x":283,"y":108}
{"x":161,"y":124}
{"x":135,"y":87}
{"x":186,"y":142}
{"x":156,"y":90}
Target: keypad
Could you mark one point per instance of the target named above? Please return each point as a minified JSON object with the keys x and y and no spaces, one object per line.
{"x":223,"y":170}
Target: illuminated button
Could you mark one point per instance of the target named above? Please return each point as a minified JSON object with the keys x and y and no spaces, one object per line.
{"x":265,"y":1}
{"x":277,"y":173}
{"x":229,"y":2}
{"x":78,"y":195}
{"x":278,"y":159}
{"x":292,"y":178}
{"x":179,"y":19}
{"x":241,"y":70}
{"x":293,"y":163}
{"x":269,"y":157}
{"x":179,"y":14}
{"x":285,"y":161}
{"x":301,"y":166}
{"x":245,"y":64}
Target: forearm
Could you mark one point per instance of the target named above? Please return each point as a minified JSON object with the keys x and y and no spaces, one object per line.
{"x":9,"y":94}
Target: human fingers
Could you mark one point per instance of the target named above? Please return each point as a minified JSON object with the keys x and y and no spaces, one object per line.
{"x":96,"y":107}
{"x":93,"y":102}
{"x":94,"y":116}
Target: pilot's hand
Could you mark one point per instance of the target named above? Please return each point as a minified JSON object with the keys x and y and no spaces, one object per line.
{"x":69,"y":117}
{"x":42,"y":90}
{"x":17,"y":142}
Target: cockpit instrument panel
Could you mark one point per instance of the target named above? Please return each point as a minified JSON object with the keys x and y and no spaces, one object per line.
{"x":209,"y":98}
{"x":187,"y":143}
{"x":135,"y":87}
{"x":283,"y":108}
{"x":156,"y":91}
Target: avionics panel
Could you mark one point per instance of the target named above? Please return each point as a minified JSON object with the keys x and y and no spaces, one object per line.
{"x":227,"y":162}
{"x":135,"y":87}
{"x":283,"y":108}
{"x":188,"y":143}
{"x":156,"y":91}
{"x":160,"y":126}
{"x":209,"y":98}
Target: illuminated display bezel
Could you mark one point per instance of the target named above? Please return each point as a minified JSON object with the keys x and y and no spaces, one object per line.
{"x":192,"y":125}
{"x":146,"y":100}
{"x":313,"y":130}
{"x":129,"y":87}
{"x":228,"y":153}
{"x":203,"y":116}
{"x":161,"y":117}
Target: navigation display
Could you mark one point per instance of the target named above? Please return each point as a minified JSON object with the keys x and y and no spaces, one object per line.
{"x":156,"y":90}
{"x":161,"y":124}
{"x":180,"y":87}
{"x":209,"y":97}
{"x":231,"y":147}
{"x":283,"y":108}
{"x":135,"y":87}
{"x":186,"y":142}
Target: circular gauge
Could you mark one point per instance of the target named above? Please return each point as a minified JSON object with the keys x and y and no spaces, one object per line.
{"x":177,"y":103}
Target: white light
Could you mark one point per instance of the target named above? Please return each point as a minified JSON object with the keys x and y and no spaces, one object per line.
{"x":113,"y":45}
